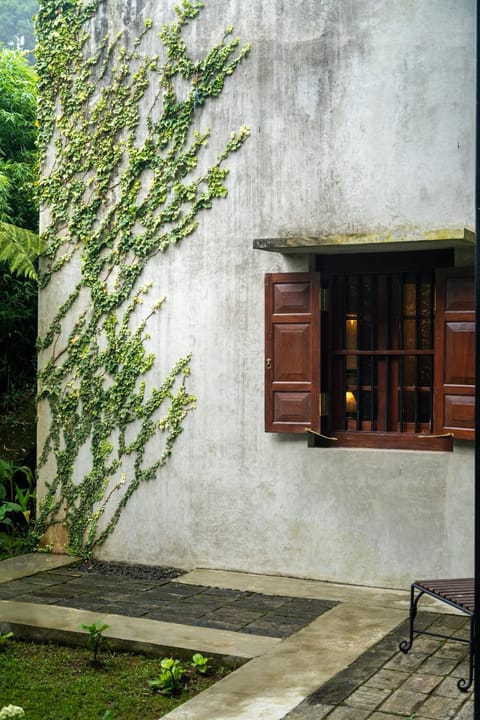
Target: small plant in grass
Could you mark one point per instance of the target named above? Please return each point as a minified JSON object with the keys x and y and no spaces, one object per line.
{"x":7,"y":495}
{"x":96,"y":640}
{"x":17,"y":503}
{"x":4,"y":638}
{"x":17,"y":484}
{"x":11,"y":711}
{"x":201,"y":663}
{"x":169,"y":682}
{"x":53,"y":682}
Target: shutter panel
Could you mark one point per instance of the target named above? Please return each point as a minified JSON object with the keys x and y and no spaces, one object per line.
{"x":454,"y":400}
{"x":292,"y":352}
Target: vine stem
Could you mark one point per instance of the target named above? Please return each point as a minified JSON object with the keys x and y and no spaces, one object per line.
{"x":111,"y":216}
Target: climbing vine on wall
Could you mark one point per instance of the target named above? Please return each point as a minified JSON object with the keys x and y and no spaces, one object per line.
{"x":121,"y":184}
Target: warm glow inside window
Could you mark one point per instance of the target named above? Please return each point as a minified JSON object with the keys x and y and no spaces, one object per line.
{"x":382,"y":352}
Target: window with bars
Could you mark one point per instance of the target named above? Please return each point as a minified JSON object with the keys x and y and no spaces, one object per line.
{"x":372,"y":351}
{"x":382,"y":352}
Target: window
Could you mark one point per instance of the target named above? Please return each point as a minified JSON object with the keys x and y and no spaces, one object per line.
{"x":372,"y":353}
{"x":382,"y":352}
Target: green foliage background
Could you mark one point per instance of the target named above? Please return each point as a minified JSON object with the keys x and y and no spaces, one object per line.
{"x":18,"y":226}
{"x":18,"y":132}
{"x":16,"y":22}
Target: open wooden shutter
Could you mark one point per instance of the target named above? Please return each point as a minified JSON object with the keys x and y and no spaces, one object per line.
{"x":292,"y":352}
{"x":454,"y":401}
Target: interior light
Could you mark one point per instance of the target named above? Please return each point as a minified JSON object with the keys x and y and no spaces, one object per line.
{"x":350,"y":402}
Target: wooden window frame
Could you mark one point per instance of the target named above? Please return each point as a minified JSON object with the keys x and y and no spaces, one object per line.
{"x":378,"y":306}
{"x":297,"y":395}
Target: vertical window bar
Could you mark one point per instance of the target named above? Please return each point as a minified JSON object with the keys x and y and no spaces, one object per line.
{"x":344,"y":310}
{"x":373,"y":345}
{"x":431,"y":339}
{"x":358,"y":294}
{"x":401,"y":344}
{"x":418,"y":279}
{"x":385,"y":279}
{"x":344,"y":295}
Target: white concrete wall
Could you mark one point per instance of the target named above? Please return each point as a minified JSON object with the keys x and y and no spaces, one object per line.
{"x":362,"y":121}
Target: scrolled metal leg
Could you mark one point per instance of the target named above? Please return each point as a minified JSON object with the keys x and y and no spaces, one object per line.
{"x":462,"y":684}
{"x":406,"y":645}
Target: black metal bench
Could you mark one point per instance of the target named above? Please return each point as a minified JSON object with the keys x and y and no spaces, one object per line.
{"x":458,"y":593}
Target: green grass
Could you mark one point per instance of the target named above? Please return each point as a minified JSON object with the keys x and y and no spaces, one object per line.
{"x":52,"y":682}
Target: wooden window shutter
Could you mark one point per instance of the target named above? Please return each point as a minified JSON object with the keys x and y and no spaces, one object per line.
{"x":454,"y":401}
{"x":292,"y":352}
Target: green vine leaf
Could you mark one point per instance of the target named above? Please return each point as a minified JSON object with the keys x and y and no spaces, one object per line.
{"x":116,"y":197}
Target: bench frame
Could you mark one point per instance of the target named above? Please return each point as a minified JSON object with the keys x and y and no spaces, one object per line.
{"x":457,"y":593}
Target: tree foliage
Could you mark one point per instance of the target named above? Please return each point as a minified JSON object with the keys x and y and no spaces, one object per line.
{"x":18,"y":330}
{"x":18,"y":132}
{"x":16,"y":23}
{"x":19,"y":248}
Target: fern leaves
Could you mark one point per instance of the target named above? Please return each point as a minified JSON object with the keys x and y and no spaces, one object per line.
{"x":20,"y":249}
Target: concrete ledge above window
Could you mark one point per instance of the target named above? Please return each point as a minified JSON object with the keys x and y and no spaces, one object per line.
{"x":401,"y":238}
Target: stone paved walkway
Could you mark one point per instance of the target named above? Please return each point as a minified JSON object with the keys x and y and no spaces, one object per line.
{"x":311,"y":650}
{"x":168,"y":601}
{"x":386,"y":684}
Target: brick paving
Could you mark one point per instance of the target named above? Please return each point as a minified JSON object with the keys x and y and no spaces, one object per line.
{"x":385,"y":684}
{"x":167,"y":600}
{"x":382,"y":684}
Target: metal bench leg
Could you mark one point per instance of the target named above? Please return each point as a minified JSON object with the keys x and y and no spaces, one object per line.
{"x":406,"y":645}
{"x":462,"y":684}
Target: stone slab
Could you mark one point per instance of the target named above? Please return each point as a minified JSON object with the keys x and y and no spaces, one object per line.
{"x":137,"y":631}
{"x":270,"y":686}
{"x":167,"y":601}
{"x":315,"y":589}
{"x":31,"y":564}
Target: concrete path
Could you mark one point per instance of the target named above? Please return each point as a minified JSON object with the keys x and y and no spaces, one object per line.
{"x":279,"y":677}
{"x":274,"y":683}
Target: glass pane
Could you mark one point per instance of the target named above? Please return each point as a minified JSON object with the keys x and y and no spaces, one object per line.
{"x":366,"y":365}
{"x":366,"y":339}
{"x":351,"y":333}
{"x":365,"y":405}
{"x":425,"y":334}
{"x":409,"y":299}
{"x":425,"y":370}
{"x":426,"y":298}
{"x":351,"y":296}
{"x":417,"y":371}
{"x":422,"y":400}
{"x":351,"y":365}
{"x":424,"y":403}
{"x":409,"y":339}
{"x":408,"y":371}
{"x":350,"y":404}
{"x":367,"y":296}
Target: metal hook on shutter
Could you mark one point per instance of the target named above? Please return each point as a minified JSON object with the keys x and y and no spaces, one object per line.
{"x":324,"y":437}
{"x":444,"y":435}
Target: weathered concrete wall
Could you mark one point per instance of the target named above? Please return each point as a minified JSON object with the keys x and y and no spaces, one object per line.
{"x":361,"y":121}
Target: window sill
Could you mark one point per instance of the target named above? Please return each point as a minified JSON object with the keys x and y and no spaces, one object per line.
{"x":394,"y":441}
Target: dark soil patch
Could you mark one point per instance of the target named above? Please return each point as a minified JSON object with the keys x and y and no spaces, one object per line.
{"x":135,"y":572}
